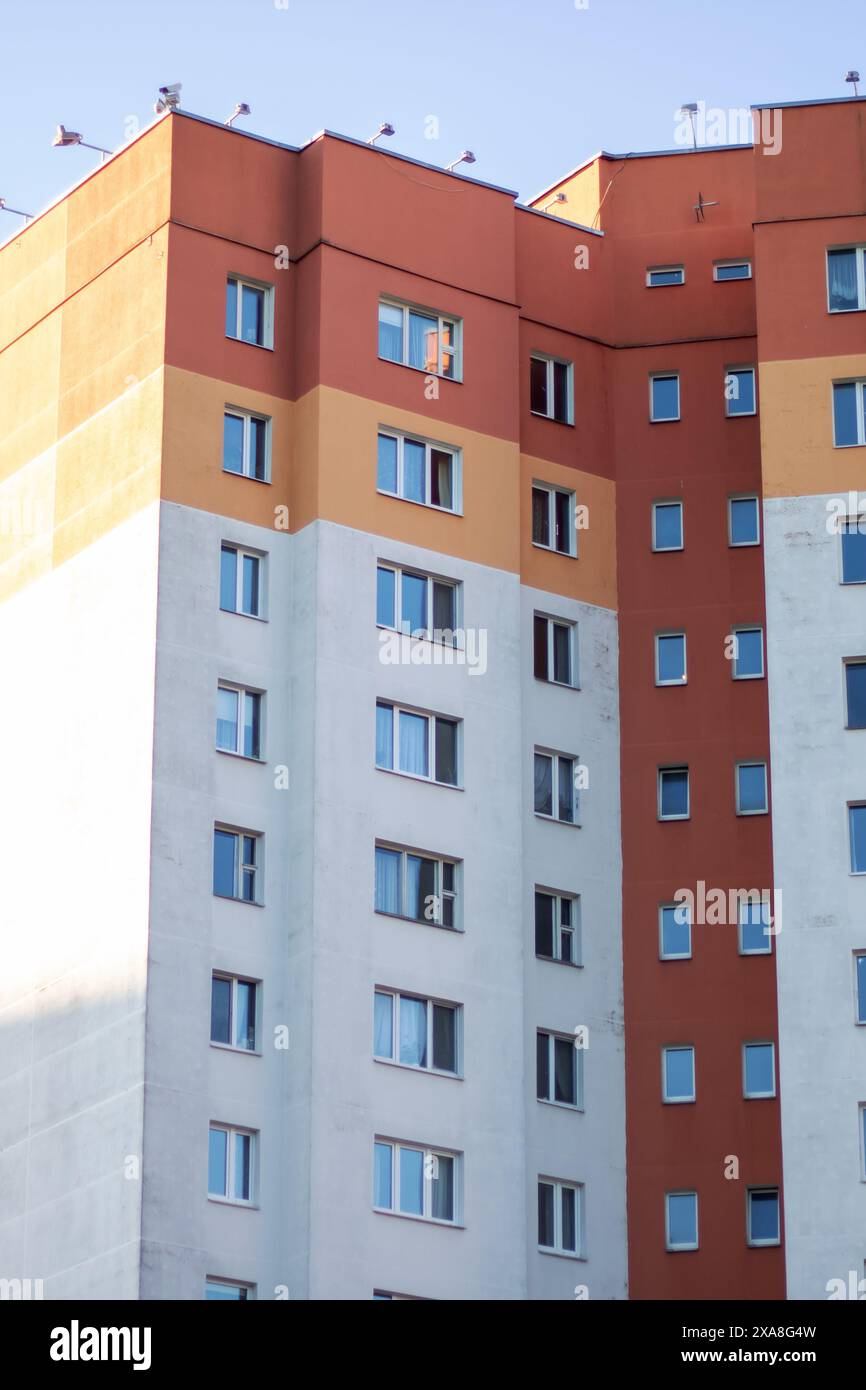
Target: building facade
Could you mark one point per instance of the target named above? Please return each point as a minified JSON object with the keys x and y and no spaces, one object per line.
{"x":414,"y":591}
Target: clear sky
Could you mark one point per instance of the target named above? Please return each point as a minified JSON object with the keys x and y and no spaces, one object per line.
{"x":532,"y":86}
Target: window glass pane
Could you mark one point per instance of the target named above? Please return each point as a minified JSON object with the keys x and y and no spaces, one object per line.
{"x":382,"y":1176}
{"x":414,"y":752}
{"x":412,"y":1181}
{"x":665,"y":397}
{"x":764,"y":1211}
{"x":250,"y":596}
{"x":220,"y":1010}
{"x":671,"y":657}
{"x":538,"y":385}
{"x":544,"y":904}
{"x":444,"y":612}
{"x":253,"y":315}
{"x":566,"y":947}
{"x":224,"y":857}
{"x":258,"y":448}
{"x":679,"y":1073}
{"x":566,"y":789}
{"x":421,"y":888}
{"x":857,"y":820}
{"x":233,"y":443}
{"x":842,"y":279}
{"x":675,"y":792}
{"x":441,"y":479}
{"x":384,"y":736}
{"x":667,"y":277}
{"x":252,"y":725}
{"x":754,"y":924}
{"x":423,"y":342}
{"x":413,"y":1032}
{"x":543,"y":784}
{"x":545,"y":1214}
{"x":227,"y":720}
{"x":391,"y":332}
{"x":845,"y":413}
{"x":386,"y":589}
{"x":562,"y":508}
{"x":216,"y":1162}
{"x":855,"y":683}
{"x":861,"y":989}
{"x":444,"y":1038}
{"x":446,"y":752}
{"x":744,"y":520}
{"x":539,"y":647}
{"x":243,"y":1148}
{"x":668,"y":525}
{"x":228,"y":578}
{"x":760,"y":1073}
{"x":733,"y":272}
{"x":413,"y":604}
{"x":560,"y":391}
{"x":752,"y":784}
{"x":443,"y":1188}
{"x":232,"y":309}
{"x":386,"y":463}
{"x":245,"y":1023}
{"x":564,"y":1071}
{"x":676,"y":931}
{"x":569,"y":1219}
{"x":388,"y":866}
{"x":682,"y":1218}
{"x":749,"y":658}
{"x":383,"y":1025}
{"x":854,"y":552}
{"x":414,"y":485}
{"x":540,"y":516}
{"x":542,"y":1066}
{"x":562,"y":653}
{"x":448,"y":345}
{"x":740,"y":392}
{"x":225,"y":1292}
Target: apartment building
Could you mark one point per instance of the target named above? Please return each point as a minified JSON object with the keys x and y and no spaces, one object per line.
{"x":415,"y":590}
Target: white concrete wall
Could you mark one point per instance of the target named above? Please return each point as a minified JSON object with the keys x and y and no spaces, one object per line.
{"x":813,"y":623}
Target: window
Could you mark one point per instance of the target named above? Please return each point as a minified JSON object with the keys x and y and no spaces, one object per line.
{"x":417,"y":745}
{"x":249,"y":312}
{"x":667,"y":519}
{"x":671,"y":658}
{"x":223,"y":1289}
{"x":559,"y":1070}
{"x":678,"y":1075}
{"x":553,"y":519}
{"x":239,"y":721}
{"x":553,"y":650}
{"x":236,"y":864}
{"x":860,"y":985}
{"x":555,"y":790}
{"x":748,"y":662}
{"x":664,"y":397}
{"x":762,"y":1216}
{"x":417,"y":604}
{"x":861,"y":1116}
{"x":418,"y":886}
{"x":857,"y":831}
{"x":419,"y":471}
{"x":420,"y":338}
{"x":416,"y":1181}
{"x":846,"y":279}
{"x":754,"y":926}
{"x":675,"y":931}
{"x":673,"y":793}
{"x":855,"y":694}
{"x":849,"y":413}
{"x":415,"y":1032}
{"x":750,"y":789}
{"x":246,"y":444}
{"x":681,"y":1220}
{"x":665,"y":275}
{"x":557,"y":927}
{"x":233,"y":1012}
{"x":732,"y":270}
{"x":853,"y":538}
{"x":551,"y":388}
{"x":230,"y":1165}
{"x":744,"y":521}
{"x":740,"y":391}
{"x":759,"y":1070}
{"x":240,"y":581}
{"x":560,"y":1217}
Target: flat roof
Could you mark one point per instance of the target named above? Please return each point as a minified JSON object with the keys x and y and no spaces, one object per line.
{"x":639,"y":154}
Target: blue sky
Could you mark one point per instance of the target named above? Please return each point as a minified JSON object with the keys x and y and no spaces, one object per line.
{"x":532,"y":86}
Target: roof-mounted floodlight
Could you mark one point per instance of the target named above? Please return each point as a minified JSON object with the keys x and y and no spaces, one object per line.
{"x":4,"y":207}
{"x":467,"y":157}
{"x":241,"y":109}
{"x":168,"y":99}
{"x":854,"y":77}
{"x":63,"y":138}
{"x":557,"y":198}
{"x":385,"y":128}
{"x":690,"y":109}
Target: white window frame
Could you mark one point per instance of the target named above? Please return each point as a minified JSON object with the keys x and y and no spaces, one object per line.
{"x":232,"y":1131}
{"x":684,"y":679}
{"x":742,"y":369}
{"x":678,"y":1100}
{"x":455,"y":352}
{"x":397,"y":996}
{"x":759,"y":1095}
{"x":552,"y":489}
{"x":429,"y":1154}
{"x":441,"y":894}
{"x":239,"y":412}
{"x":234,"y":981}
{"x":248,"y":1289}
{"x":431,"y":717}
{"x":244,"y":552}
{"x":554,"y":787}
{"x":682,"y":1192}
{"x":257,"y":868}
{"x":428,"y":633}
{"x":456,"y":455}
{"x":743,"y":497}
{"x":579,"y":1190}
{"x":549,"y":362}
{"x":735,"y":632}
{"x":751,"y":762}
{"x":668,"y":502}
{"x":574,"y":927}
{"x":860,"y":251}
{"x":753,"y":951}
{"x":758,"y":1244}
{"x":731,"y":264}
{"x":577,"y":1054}
{"x":571,"y":630}
{"x":652,"y":270}
{"x":674,"y":955}
{"x":859,"y":1019}
{"x":665,"y":419}
{"x":675,"y":767}
{"x":860,"y":383}
{"x":242,"y":691}
{"x":267,"y":311}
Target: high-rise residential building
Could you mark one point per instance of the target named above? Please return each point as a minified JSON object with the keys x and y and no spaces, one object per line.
{"x":435,"y":870}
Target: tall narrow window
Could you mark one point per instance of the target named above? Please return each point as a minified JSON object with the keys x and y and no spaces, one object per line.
{"x":673,"y":793}
{"x":560,"y":1217}
{"x":246,"y":444}
{"x":740,"y":398}
{"x":852,"y":534}
{"x":762,"y":1216}
{"x":759,"y":1070}
{"x":550,"y":388}
{"x":860,"y":985}
{"x":552,"y":650}
{"x":849,"y":413}
{"x":667,"y":525}
{"x":230,"y":1173}
{"x":236,"y":864}
{"x":239,"y":721}
{"x":675,"y":931}
{"x":755,"y":928}
{"x":553,"y":519}
{"x":664,"y":397}
{"x":557,"y":927}
{"x":555,"y":787}
{"x":671,"y":658}
{"x":747,"y":653}
{"x":681,"y":1220}
{"x":744,"y":521}
{"x":750,"y":789}
{"x":249,"y":312}
{"x":678,"y":1075}
{"x":233,"y":1012}
{"x":559,"y":1070}
{"x":857,"y":833}
{"x":240,"y":581}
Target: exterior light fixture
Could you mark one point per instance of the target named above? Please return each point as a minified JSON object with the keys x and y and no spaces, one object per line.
{"x":63,"y":138}
{"x":385,"y":128}
{"x":242,"y":109}
{"x":467,"y":157}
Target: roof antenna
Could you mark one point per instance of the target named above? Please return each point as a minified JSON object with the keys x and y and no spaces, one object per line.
{"x":690,"y":109}
{"x":240,"y":110}
{"x":854,"y":77}
{"x":385,"y":128}
{"x":4,"y":207}
{"x":466,"y":157}
{"x":699,"y":206}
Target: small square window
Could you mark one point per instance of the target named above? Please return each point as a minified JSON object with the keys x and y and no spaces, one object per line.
{"x":759,"y":1070}
{"x":249,"y":312}
{"x":667,"y":525}
{"x":762,"y":1216}
{"x":754,"y":926}
{"x":661,"y":275}
{"x":740,"y":391}
{"x":233,"y":1012}
{"x":671,"y":658}
{"x":732,"y":270}
{"x":664,"y":397}
{"x":675,"y":931}
{"x":678,"y":1075}
{"x":857,"y":833}
{"x":751,"y":789}
{"x":852,"y":534}
{"x":231,"y":1164}
{"x":748,"y":653}
{"x":744,"y":521}
{"x":236,"y":866}
{"x":239,"y":721}
{"x":681,"y":1221}
{"x":673,"y":793}
{"x":849,"y":414}
{"x":553,"y":519}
